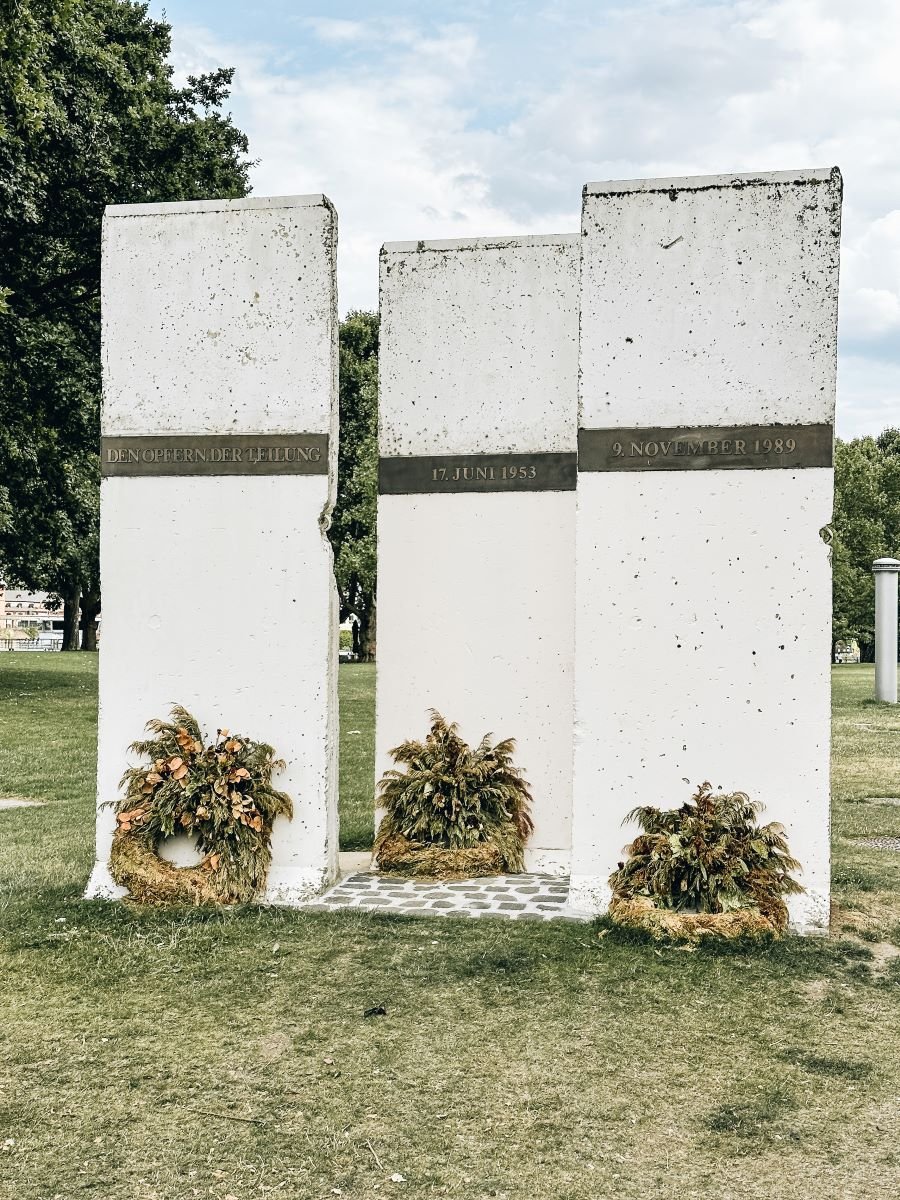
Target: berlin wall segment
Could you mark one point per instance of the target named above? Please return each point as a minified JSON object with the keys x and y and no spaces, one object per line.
{"x":703,"y":586}
{"x":476,"y":512}
{"x":219,"y":444}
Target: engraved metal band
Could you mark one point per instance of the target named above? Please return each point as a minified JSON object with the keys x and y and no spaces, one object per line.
{"x":409,"y":476}
{"x":709,"y":447}
{"x":215,"y":454}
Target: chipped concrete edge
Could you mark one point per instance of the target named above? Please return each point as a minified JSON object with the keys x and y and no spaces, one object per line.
{"x":118,"y":211}
{"x":700,"y":183}
{"x":485,"y":243}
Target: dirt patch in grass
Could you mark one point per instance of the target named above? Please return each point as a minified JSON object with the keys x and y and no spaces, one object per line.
{"x":8,"y":802}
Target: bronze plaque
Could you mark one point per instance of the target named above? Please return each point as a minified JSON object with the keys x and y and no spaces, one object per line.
{"x":410,"y":476}
{"x":216,"y":454}
{"x":714,"y":447}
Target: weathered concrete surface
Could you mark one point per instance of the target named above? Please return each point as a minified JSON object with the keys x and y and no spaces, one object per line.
{"x":704,"y":598}
{"x":475,"y":592}
{"x":218,"y":592}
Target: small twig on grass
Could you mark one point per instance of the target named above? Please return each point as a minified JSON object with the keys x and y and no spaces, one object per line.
{"x":228,"y":1117}
{"x":375,"y":1156}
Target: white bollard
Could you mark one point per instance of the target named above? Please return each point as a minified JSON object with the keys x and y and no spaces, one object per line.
{"x":886,"y":570}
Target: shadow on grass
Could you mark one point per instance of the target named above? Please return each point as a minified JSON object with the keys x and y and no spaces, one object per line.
{"x":837,"y":1068}
{"x":758,"y":1121}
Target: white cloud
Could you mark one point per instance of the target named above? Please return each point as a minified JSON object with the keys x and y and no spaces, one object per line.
{"x":871,"y":282}
{"x":470,"y":129}
{"x":330,"y":29}
{"x":868,"y":395}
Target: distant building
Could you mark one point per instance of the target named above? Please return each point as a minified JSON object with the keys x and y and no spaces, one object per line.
{"x":21,"y":611}
{"x":846,"y":651}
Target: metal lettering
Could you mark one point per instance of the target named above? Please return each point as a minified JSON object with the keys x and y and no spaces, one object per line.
{"x":539,"y":472}
{"x":216,"y":454}
{"x":751,"y":447}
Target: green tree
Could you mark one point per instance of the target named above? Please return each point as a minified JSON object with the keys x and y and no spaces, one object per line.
{"x":866,"y":526}
{"x":353,"y":521}
{"x":89,"y":116}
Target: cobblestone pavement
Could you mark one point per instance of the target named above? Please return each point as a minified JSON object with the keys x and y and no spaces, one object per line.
{"x":519,"y":897}
{"x":878,"y":843}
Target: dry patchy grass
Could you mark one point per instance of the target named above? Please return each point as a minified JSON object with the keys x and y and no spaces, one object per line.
{"x":181,"y":1054}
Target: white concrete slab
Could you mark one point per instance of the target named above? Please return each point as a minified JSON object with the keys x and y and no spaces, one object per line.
{"x":218,"y":592}
{"x":703,"y":606}
{"x":476,"y":591}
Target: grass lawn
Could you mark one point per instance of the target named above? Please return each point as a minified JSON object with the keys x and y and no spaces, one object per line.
{"x":177,"y":1054}
{"x":356,"y":787}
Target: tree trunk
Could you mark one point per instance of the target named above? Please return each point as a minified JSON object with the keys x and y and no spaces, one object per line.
{"x":71,"y":602}
{"x":866,"y":651}
{"x":90,"y":611}
{"x":367,"y":632}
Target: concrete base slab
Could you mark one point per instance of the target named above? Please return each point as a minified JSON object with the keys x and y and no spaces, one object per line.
{"x":352,"y":862}
{"x":102,"y":886}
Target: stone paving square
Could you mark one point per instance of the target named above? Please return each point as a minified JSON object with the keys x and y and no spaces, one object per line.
{"x":515,"y":897}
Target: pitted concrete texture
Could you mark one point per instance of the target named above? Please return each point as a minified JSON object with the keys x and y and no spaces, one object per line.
{"x":518,"y":897}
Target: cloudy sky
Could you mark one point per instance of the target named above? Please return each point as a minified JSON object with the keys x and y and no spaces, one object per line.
{"x":484,"y":117}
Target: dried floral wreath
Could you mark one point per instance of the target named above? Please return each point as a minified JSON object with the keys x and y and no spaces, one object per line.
{"x":221,"y":793}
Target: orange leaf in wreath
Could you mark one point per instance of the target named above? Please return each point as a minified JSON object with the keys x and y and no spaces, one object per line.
{"x":175,"y":763}
{"x":134,"y":816}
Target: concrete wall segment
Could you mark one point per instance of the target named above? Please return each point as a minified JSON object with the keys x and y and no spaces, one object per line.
{"x":261,"y":360}
{"x":710,"y":304}
{"x":221,"y":317}
{"x":703,"y":608}
{"x":477,"y":342}
{"x":475,"y":591}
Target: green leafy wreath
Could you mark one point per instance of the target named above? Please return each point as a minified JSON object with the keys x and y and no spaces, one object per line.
{"x":221,"y":793}
{"x":455,"y":811}
{"x":707,"y":867}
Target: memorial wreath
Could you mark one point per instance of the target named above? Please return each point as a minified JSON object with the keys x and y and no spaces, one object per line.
{"x":705,"y":869}
{"x":220,"y":793}
{"x":455,"y":812}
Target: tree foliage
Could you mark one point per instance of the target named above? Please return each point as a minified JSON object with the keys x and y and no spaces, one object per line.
{"x":866,"y":526}
{"x":89,"y":116}
{"x":352,"y":531}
